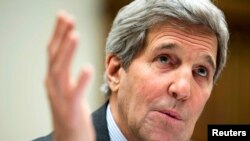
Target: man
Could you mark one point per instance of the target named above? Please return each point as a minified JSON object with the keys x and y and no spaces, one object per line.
{"x":162,"y":59}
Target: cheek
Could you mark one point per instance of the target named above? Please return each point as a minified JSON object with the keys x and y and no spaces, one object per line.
{"x":200,"y":102}
{"x":148,"y":87}
{"x":142,"y":88}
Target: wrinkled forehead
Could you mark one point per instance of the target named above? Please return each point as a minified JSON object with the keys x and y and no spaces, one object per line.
{"x":184,"y":26}
{"x":172,"y":32}
{"x":198,"y":31}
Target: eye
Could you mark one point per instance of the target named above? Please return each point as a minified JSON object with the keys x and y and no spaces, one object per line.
{"x":164,"y":59}
{"x":201,"y":71}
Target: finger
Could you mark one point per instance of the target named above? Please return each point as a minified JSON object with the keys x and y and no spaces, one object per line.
{"x":65,"y":53}
{"x":63,"y":46}
{"x":61,"y":68}
{"x":66,"y":56}
{"x":82,"y":81}
{"x":65,"y":23}
{"x":68,"y":25}
{"x":57,"y":32}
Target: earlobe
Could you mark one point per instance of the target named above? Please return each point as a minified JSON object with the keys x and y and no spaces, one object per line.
{"x":113,"y":66}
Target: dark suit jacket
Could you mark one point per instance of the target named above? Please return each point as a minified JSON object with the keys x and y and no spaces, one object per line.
{"x":100,"y":124}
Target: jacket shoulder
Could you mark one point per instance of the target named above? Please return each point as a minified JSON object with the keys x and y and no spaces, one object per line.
{"x":45,"y":138}
{"x":100,"y":123}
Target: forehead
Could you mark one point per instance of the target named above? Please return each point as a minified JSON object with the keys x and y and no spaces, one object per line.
{"x":184,"y":26}
{"x":196,"y":36}
{"x":171,"y":26}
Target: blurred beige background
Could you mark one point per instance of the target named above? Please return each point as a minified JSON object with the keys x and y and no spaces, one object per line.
{"x":25,"y":27}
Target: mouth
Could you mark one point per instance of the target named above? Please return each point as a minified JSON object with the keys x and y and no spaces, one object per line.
{"x":172,"y":114}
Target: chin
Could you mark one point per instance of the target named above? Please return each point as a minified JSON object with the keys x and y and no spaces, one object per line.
{"x":163,"y":138}
{"x":158,"y":135}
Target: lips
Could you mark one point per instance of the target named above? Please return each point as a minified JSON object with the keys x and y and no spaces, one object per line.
{"x":172,"y":114}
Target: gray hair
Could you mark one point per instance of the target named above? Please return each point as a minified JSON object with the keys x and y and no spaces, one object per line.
{"x":129,"y":29}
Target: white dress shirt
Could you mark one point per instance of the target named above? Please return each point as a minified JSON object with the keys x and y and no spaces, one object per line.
{"x":114,"y":131}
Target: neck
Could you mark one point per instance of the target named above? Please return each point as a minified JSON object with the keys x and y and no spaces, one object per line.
{"x":119,"y":116}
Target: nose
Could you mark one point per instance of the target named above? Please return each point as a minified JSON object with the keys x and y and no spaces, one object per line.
{"x":180,"y":88}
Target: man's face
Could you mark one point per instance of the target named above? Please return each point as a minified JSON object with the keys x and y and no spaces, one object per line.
{"x":162,"y":94}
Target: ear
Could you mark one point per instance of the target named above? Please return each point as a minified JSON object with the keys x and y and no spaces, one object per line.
{"x":113,"y":67}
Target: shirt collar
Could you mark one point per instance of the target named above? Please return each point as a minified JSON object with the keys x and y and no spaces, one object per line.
{"x":114,"y":131}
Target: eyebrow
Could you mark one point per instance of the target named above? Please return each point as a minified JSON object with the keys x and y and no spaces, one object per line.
{"x":167,"y":46}
{"x":171,"y":46}
{"x":210,"y":61}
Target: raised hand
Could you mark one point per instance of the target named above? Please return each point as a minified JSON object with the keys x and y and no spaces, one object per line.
{"x":71,"y":117}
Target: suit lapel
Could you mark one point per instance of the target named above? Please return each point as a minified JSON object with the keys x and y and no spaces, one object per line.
{"x":100,"y":123}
